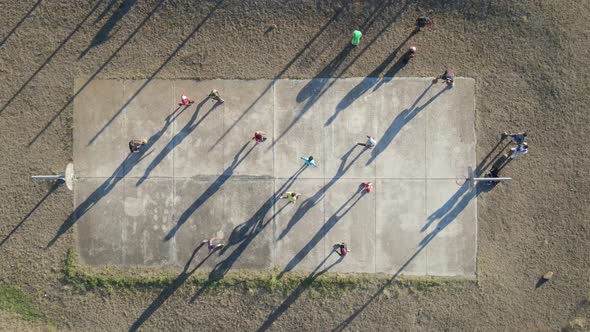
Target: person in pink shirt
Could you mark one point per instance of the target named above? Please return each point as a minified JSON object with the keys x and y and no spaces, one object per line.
{"x":185,"y":100}
{"x":341,"y":249}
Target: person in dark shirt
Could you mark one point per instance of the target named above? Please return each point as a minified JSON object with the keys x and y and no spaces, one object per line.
{"x":135,"y":144}
{"x":448,"y":76}
{"x":422,"y":22}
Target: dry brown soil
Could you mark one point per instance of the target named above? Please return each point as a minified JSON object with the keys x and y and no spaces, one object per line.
{"x":530,"y":60}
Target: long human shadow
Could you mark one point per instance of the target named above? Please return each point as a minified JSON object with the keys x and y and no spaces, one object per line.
{"x":368,"y":82}
{"x":71,"y":99}
{"x":177,"y":139}
{"x":321,"y":233}
{"x":312,"y":201}
{"x":104,"y":33}
{"x":120,"y":172}
{"x":157,"y":71}
{"x":400,"y":121}
{"x":51,"y":190}
{"x":171,"y":289}
{"x":298,"y":291}
{"x":20,"y":22}
{"x":59,"y":47}
{"x":242,"y":231}
{"x":315,"y":90}
{"x":487,"y":161}
{"x":243,"y":235}
{"x":211,"y":190}
{"x":143,"y":85}
{"x":279,"y":75}
{"x":445,"y":216}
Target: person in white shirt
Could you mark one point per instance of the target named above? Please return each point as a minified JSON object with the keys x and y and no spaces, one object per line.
{"x":518,"y":150}
{"x":370,"y":143}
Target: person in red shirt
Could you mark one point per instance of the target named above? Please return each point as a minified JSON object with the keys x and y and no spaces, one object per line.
{"x":341,"y":249}
{"x":259,"y":136}
{"x":368,"y":186}
{"x":185,"y":100}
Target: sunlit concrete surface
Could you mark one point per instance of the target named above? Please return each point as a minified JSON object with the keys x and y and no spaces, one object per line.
{"x":201,"y":175}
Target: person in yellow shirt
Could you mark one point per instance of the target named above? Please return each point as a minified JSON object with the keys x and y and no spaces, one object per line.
{"x":291,"y":196}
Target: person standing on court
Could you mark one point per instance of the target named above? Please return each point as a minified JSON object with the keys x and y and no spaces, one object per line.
{"x":185,"y":100}
{"x":341,"y":249}
{"x":291,"y":196}
{"x":309,"y":161}
{"x":135,"y":144}
{"x":214,"y":94}
{"x":259,"y":136}
{"x":422,"y":22}
{"x":368,"y":187}
{"x":448,"y":76}
{"x":214,"y":243}
{"x":369,"y":144}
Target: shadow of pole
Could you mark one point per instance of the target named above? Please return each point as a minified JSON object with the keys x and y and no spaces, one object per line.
{"x":177,"y":139}
{"x":103,"y":34}
{"x":120,"y":172}
{"x":303,"y":285}
{"x":51,"y":190}
{"x":400,"y":121}
{"x":20,"y":22}
{"x":321,"y":233}
{"x":59,"y":47}
{"x":451,"y":212}
{"x":210,"y":191}
{"x":170,"y":290}
{"x":95,"y":73}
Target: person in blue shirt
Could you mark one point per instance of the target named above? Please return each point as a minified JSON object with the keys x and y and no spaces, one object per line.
{"x":309,"y":161}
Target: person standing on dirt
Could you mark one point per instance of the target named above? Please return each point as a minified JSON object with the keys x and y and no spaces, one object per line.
{"x":214,"y":243}
{"x":448,"y":77}
{"x":185,"y":101}
{"x":422,"y":22}
{"x":259,"y":136}
{"x":369,"y":144}
{"x":309,"y":161}
{"x":409,"y":55}
{"x":214,"y":94}
{"x":517,"y":138}
{"x":291,"y":196}
{"x":518,"y":150}
{"x":341,"y":249}
{"x":135,"y":145}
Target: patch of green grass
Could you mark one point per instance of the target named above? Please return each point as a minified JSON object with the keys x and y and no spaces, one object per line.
{"x":15,"y":300}
{"x":88,"y":278}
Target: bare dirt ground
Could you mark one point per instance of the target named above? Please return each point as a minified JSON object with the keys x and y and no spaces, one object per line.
{"x":530,"y":60}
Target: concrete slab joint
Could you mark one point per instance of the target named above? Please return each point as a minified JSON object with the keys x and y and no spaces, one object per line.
{"x":202,"y":176}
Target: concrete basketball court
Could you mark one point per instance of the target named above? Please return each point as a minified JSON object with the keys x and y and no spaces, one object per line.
{"x":201,"y":176}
